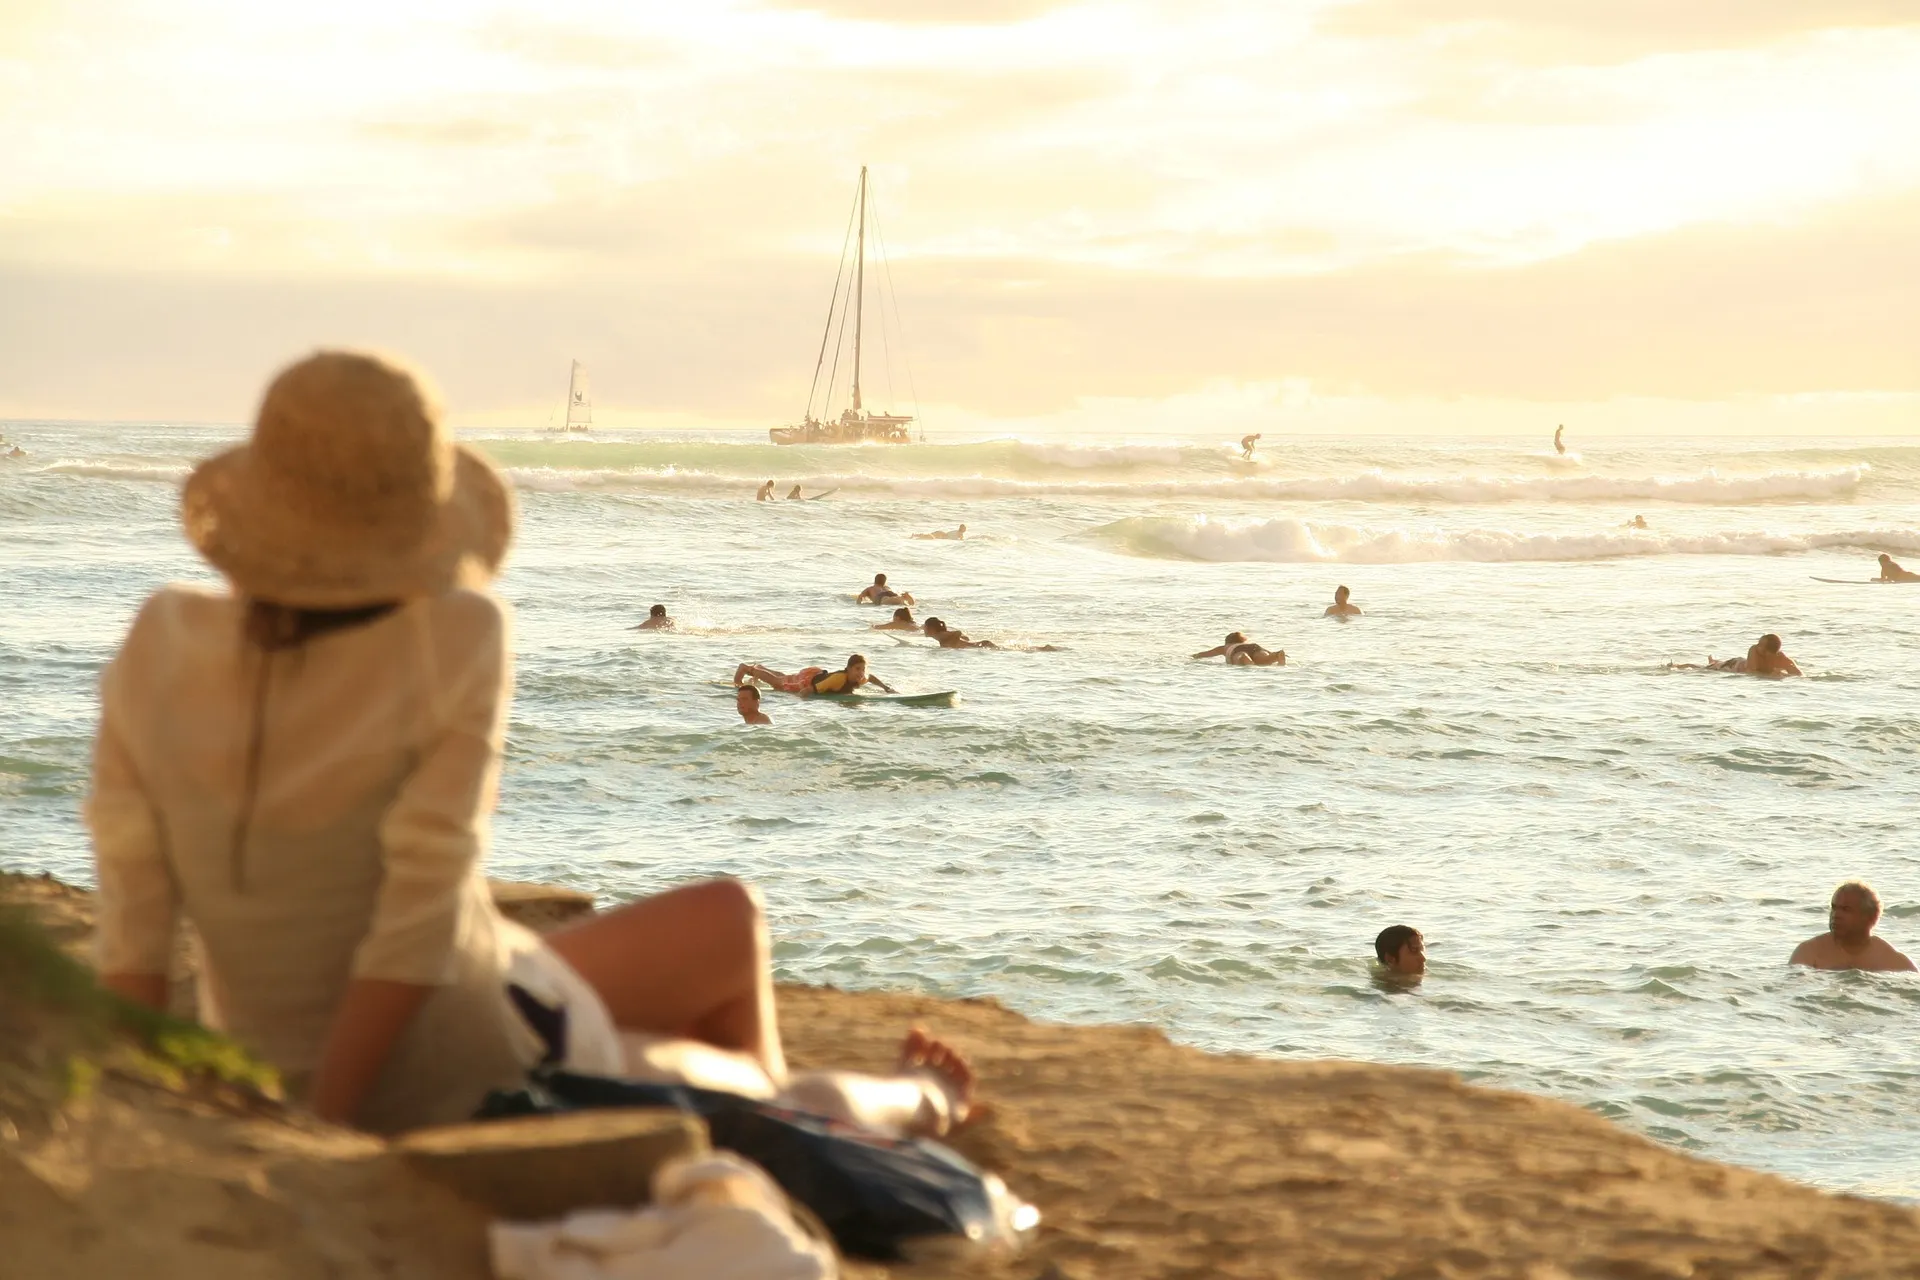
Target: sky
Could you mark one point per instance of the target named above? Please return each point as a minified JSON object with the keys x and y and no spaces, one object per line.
{"x":1462,"y":216}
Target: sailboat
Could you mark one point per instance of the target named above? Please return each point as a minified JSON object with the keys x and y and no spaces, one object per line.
{"x":579,"y":403}
{"x":856,"y":424}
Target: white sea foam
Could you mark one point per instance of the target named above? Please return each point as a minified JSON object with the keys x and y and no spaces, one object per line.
{"x":1707,"y":487}
{"x":1292,"y":541}
{"x":98,"y":470}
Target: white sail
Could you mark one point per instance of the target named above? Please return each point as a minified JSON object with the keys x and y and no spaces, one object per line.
{"x":579,"y":400}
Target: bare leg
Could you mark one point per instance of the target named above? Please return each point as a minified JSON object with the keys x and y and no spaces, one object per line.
{"x":931,"y":1094}
{"x":749,"y":671}
{"x":693,"y":962}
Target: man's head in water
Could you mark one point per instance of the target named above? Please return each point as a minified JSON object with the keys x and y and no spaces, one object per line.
{"x":1401,"y":949}
{"x":1340,"y":595}
{"x":1886,"y":562}
{"x":746,"y":700}
{"x":1769,"y":643}
{"x":879,"y":579}
{"x":1852,"y":913}
{"x":934,"y":627}
{"x":658,"y":611}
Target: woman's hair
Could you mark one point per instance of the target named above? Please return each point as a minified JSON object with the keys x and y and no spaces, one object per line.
{"x":274,"y":627}
{"x":1235,"y":637}
{"x":860,"y":658}
{"x":903,"y":614}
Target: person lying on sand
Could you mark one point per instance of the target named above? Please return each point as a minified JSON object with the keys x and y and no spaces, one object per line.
{"x":812,"y":680}
{"x":902,"y":620}
{"x":1340,"y":608}
{"x":880,"y":593}
{"x":1242,"y":652}
{"x":764,"y":493}
{"x":944,"y":535}
{"x":948,"y":638}
{"x":1891,"y":572}
{"x":657,"y":620}
{"x":1848,"y":942}
{"x":1246,"y":445}
{"x":1401,"y":950}
{"x":747,"y":702}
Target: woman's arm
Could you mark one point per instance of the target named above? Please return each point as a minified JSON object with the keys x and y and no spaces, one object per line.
{"x":366,"y":1026}
{"x":873,"y":679}
{"x":1214,"y":652}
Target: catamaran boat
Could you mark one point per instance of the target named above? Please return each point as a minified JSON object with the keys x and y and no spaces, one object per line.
{"x":579,"y":403}
{"x":856,"y":424}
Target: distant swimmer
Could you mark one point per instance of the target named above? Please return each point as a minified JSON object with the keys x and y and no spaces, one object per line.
{"x":880,"y":593}
{"x":794,"y":495}
{"x":1764,"y":658}
{"x":1401,"y":950}
{"x":1638,"y":522}
{"x":747,"y":702}
{"x":765,"y":493}
{"x":812,"y":680}
{"x":1246,"y":445}
{"x":902,"y":620}
{"x":1340,"y":608}
{"x":1559,"y":441}
{"x":1242,"y":652}
{"x":657,"y":620}
{"x":948,"y":638}
{"x":944,"y":535}
{"x":1891,"y":572}
{"x":16,"y":452}
{"x":1848,"y":942}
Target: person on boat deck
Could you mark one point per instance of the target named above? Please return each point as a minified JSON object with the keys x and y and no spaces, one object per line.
{"x":944,"y":535}
{"x":657,"y":620}
{"x":1891,"y":572}
{"x":1848,"y":942}
{"x":746,"y":700}
{"x":902,"y":621}
{"x":1401,"y":950}
{"x":1242,"y":652}
{"x":764,"y":493}
{"x":948,"y":638}
{"x":812,"y":680}
{"x":1246,"y":445}
{"x":303,"y":767}
{"x":880,"y":593}
{"x":1340,"y":608}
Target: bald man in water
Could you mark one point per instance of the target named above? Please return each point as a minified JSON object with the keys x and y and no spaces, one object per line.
{"x":1848,"y":942}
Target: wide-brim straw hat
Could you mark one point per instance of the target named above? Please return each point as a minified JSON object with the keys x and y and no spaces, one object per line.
{"x":350,"y":493}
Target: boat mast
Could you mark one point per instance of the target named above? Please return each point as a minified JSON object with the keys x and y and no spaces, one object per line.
{"x":859,"y":288}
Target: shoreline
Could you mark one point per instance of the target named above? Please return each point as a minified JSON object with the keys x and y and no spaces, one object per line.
{"x":1145,"y":1158}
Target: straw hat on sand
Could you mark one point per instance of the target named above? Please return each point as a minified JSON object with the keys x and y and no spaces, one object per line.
{"x":350,"y":492}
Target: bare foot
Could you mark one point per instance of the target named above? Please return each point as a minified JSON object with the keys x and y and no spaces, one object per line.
{"x":921,"y":1054}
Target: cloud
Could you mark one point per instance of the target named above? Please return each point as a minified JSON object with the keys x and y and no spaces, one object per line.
{"x":968,"y":12}
{"x":1591,"y":31}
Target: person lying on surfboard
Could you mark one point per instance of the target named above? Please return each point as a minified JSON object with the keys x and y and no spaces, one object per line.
{"x":881,"y":593}
{"x":902,"y":620}
{"x":944,"y":535}
{"x":948,"y":638}
{"x":1891,"y":572}
{"x":812,"y":680}
{"x":1242,"y":652}
{"x":1764,"y":658}
{"x":657,"y":620}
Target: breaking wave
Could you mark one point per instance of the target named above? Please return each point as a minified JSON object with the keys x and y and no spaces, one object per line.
{"x":1291,"y":541}
{"x":167,"y":473}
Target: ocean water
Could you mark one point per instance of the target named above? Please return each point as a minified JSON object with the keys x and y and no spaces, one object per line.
{"x":1610,"y":861}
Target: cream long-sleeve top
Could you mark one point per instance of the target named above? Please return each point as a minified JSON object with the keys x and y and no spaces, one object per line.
{"x":318,"y":814}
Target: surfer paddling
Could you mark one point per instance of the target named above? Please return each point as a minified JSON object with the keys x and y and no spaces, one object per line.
{"x":944,"y":535}
{"x":811,"y":680}
{"x":1892,"y":572}
{"x":878,"y":592}
{"x":1242,"y":652}
{"x":949,"y":638}
{"x":657,"y":620}
{"x":1764,"y":658}
{"x":1341,"y":608}
{"x":902,"y":620}
{"x":1848,"y":942}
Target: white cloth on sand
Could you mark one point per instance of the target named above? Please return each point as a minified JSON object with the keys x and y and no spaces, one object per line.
{"x":713,"y":1218}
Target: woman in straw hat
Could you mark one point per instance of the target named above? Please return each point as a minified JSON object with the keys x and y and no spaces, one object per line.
{"x":303,"y":768}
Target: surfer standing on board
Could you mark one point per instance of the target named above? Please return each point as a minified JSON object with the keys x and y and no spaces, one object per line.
{"x":1848,"y":942}
{"x":1246,"y":445}
{"x":880,"y":593}
{"x":1559,"y":445}
{"x":1242,"y":652}
{"x":1891,"y":572}
{"x":812,"y":680}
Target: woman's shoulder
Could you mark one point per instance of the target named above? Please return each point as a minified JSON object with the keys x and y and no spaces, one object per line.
{"x":181,"y":607}
{"x":468,"y":626}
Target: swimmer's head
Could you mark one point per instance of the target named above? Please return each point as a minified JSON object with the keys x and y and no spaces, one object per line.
{"x":1885,"y":559}
{"x":748,"y":697}
{"x":1769,"y":643}
{"x":903,"y":614}
{"x":1401,"y":949}
{"x":879,"y":579}
{"x":658,"y":611}
{"x":1340,"y":595}
{"x":857,"y":664}
{"x":1235,"y":637}
{"x":933,"y":626}
{"x":963,"y":529}
{"x":1853,"y":911}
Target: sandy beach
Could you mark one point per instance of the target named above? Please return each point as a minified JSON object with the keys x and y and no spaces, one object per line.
{"x":1146,"y":1158}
